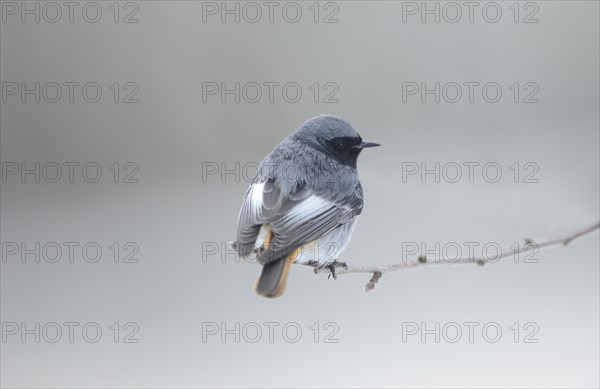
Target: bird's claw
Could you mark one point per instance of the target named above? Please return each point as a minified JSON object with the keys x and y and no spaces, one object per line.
{"x":332,"y":270}
{"x":333,"y":266}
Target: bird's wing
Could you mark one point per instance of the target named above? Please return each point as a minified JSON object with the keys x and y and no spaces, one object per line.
{"x":262,"y":202}
{"x":294,"y":219}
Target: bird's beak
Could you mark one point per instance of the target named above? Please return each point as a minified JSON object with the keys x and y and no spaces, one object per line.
{"x":364,"y":145}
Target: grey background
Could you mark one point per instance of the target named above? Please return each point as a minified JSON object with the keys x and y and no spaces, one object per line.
{"x":171,"y":212}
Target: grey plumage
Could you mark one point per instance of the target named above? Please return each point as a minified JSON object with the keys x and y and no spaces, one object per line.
{"x":306,"y":191}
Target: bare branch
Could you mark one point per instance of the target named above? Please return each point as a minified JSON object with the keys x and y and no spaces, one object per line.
{"x":528,"y":245}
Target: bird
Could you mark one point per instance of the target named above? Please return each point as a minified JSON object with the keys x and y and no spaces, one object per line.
{"x":303,"y":204}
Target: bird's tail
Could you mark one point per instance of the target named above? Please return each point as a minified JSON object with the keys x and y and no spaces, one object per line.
{"x":274,"y":275}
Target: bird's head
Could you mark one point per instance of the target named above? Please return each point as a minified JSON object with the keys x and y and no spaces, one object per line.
{"x":334,"y":136}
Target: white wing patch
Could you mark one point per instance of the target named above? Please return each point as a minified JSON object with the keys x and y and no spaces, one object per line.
{"x":256,"y":197}
{"x":311,"y":206}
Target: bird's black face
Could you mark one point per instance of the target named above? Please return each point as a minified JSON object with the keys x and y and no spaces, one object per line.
{"x":333,"y":136}
{"x":346,"y":149}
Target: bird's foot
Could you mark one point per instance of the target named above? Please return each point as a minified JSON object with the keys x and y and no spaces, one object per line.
{"x":337,"y":263}
{"x":332,"y":270}
{"x":333,"y":266}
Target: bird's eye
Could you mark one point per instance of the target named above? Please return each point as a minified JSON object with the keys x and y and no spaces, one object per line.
{"x":340,"y":143}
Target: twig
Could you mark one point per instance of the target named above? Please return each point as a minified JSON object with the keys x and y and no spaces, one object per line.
{"x":528,"y":245}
